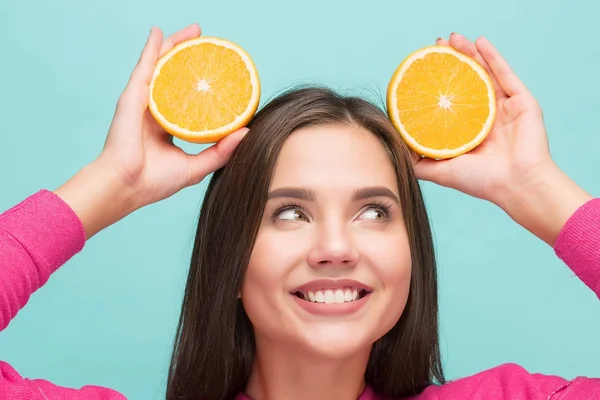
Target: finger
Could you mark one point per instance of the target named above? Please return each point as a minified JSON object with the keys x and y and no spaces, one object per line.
{"x":134,"y":99}
{"x":441,"y":42}
{"x":215,"y":157}
{"x":189,"y":32}
{"x":144,"y":69}
{"x":465,"y":46}
{"x":153,"y":128}
{"x":436,"y":171}
{"x":507,"y":79}
{"x":414,"y":157}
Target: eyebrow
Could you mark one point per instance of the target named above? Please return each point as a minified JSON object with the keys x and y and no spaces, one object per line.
{"x":293,"y":193}
{"x":375,"y":191}
{"x":309,"y":195}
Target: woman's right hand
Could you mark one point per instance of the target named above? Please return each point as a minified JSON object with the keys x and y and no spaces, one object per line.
{"x":139,"y":164}
{"x":512,"y":167}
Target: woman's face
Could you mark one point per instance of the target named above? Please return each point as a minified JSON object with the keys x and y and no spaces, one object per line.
{"x":330,"y":271}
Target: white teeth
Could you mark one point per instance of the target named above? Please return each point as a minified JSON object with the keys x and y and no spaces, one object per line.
{"x":320,"y":297}
{"x":348,"y":296}
{"x":331,"y":296}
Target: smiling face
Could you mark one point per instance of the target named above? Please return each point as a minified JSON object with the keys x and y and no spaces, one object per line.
{"x":330,"y":270}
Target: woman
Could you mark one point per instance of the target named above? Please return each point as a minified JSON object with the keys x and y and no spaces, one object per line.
{"x":313,"y":274}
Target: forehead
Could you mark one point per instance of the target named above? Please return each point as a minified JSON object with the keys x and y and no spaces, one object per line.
{"x":334,"y":156}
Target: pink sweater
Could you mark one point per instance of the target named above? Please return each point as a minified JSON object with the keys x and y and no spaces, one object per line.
{"x":42,"y":233}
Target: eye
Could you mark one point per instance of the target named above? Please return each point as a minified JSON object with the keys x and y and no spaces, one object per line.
{"x":376,"y":212}
{"x":290,"y":213}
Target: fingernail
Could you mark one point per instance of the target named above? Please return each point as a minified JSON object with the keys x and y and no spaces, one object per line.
{"x":438,"y":39}
{"x":452,"y":34}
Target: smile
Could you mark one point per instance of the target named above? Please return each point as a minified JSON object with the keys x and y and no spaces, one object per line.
{"x":332,"y":296}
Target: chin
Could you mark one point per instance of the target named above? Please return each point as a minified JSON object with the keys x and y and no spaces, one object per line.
{"x":336,"y":340}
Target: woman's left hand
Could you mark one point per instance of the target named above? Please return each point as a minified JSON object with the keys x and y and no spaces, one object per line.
{"x":512,"y":167}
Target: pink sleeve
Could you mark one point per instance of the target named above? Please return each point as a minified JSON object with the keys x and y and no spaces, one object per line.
{"x":578,"y":245}
{"x":36,"y":237}
{"x":509,"y":382}
{"x":14,"y":387}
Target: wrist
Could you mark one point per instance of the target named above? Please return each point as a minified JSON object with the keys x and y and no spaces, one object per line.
{"x":98,"y":196}
{"x":542,"y":201}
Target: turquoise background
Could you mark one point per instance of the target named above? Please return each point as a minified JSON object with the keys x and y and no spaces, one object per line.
{"x":108,"y":317}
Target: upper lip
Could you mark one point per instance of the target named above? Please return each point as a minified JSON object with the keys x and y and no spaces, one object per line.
{"x":323,"y":284}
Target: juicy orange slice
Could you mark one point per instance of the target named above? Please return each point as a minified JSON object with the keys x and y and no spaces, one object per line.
{"x":441,"y":101}
{"x":204,"y":89}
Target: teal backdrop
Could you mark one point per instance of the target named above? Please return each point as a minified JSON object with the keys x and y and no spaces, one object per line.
{"x":108,"y":316}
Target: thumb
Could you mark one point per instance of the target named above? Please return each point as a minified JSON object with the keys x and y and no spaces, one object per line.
{"x":135,"y":96}
{"x":143,"y":71}
{"x":214,"y":157}
{"x":436,"y":171}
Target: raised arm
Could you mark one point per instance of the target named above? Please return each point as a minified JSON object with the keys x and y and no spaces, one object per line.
{"x":513,"y":169}
{"x":139,"y":165}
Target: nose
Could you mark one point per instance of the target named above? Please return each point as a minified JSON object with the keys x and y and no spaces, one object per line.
{"x":334,"y":247}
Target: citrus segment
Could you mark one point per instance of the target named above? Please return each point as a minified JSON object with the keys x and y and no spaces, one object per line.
{"x":441,"y":101}
{"x":204,"y":89}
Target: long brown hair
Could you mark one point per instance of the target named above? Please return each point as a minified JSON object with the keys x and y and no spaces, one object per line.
{"x":214,"y":347}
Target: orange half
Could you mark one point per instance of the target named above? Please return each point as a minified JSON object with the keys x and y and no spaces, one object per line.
{"x":204,"y":89}
{"x":441,"y":101}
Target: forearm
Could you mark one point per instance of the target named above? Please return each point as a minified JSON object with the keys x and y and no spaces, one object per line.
{"x":98,"y":196}
{"x":545,"y":203}
{"x":37,"y":236}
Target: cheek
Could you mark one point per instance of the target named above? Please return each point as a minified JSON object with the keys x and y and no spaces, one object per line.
{"x":274,"y":257}
{"x":392,"y":263}
{"x":395,"y":265}
{"x":389,"y":255}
